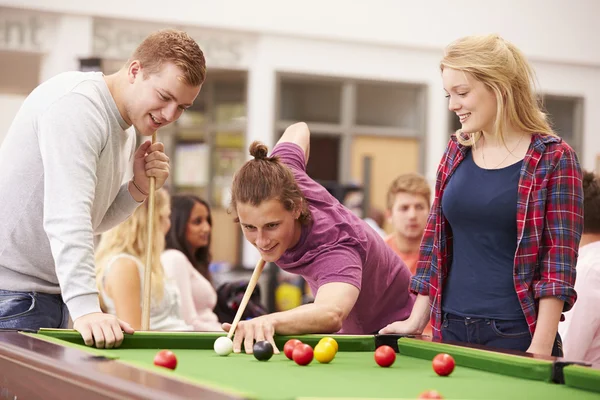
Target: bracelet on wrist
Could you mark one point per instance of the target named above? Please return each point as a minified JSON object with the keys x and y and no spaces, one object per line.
{"x":138,"y":188}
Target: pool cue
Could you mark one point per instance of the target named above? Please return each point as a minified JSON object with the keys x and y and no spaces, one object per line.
{"x":249,"y":289}
{"x":148,"y":267}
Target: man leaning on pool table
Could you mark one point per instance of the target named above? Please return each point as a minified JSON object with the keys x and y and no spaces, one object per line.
{"x":62,"y":167}
{"x":359,"y":283}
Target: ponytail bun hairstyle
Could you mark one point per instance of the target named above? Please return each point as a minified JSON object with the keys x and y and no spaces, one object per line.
{"x":265,"y":178}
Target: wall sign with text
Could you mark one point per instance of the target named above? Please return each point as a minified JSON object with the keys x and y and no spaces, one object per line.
{"x":26,"y":31}
{"x":116,"y":39}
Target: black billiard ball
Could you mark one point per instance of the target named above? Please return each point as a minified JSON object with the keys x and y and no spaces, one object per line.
{"x":262,"y":350}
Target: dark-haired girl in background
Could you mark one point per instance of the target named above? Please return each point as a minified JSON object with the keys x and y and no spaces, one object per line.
{"x":186,"y":260}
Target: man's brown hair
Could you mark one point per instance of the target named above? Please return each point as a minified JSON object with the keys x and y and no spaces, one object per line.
{"x":177,"y":47}
{"x":266,"y":178}
{"x":411,"y":183}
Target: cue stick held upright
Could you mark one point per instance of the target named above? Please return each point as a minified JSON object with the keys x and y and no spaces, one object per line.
{"x":149,"y":243}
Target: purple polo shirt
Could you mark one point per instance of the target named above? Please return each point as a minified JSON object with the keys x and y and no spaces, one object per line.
{"x":337,"y":246}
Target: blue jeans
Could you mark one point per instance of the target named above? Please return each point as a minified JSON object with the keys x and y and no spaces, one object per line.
{"x":495,"y":333}
{"x":32,"y":310}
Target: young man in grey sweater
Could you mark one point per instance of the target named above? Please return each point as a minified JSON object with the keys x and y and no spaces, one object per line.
{"x":63,"y":168}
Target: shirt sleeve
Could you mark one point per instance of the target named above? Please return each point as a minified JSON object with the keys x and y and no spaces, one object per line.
{"x":419,"y":283}
{"x":562,"y":230}
{"x":584,"y":322}
{"x":291,"y":155}
{"x":341,"y":264}
{"x":122,"y":207}
{"x":70,"y":145}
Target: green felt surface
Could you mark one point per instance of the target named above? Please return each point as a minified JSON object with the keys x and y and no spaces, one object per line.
{"x":504,"y":364}
{"x":582,"y":378}
{"x":352,"y":374}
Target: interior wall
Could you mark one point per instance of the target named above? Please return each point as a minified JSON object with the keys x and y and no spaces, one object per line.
{"x":545,"y":29}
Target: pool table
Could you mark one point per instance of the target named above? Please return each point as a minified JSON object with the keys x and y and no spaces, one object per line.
{"x":53,"y":364}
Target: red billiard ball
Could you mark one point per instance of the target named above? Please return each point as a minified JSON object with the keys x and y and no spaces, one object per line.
{"x":385,"y":356}
{"x":430,"y":394}
{"x":443,"y":364}
{"x":165,"y":358}
{"x":288,"y":348}
{"x":303,"y":354}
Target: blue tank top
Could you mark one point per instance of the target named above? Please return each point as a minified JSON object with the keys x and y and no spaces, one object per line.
{"x":481,"y":208}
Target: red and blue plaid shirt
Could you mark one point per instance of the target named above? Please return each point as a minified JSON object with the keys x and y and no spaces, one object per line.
{"x":549,"y":227}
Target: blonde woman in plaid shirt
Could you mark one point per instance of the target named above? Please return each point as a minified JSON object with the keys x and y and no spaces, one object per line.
{"x":497,"y":260}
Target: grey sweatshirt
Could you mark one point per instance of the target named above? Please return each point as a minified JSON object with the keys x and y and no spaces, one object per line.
{"x":63,"y":167}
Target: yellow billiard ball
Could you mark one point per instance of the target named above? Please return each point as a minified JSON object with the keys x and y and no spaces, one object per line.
{"x":331,"y":341}
{"x":324,"y":352}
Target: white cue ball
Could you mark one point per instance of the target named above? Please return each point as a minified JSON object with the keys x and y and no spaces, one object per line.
{"x":223,"y":346}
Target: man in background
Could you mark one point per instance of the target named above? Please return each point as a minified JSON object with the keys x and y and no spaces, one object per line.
{"x":408,"y":203}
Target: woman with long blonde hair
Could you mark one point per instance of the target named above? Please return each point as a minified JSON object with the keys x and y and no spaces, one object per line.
{"x":120,"y":267}
{"x":497,"y":260}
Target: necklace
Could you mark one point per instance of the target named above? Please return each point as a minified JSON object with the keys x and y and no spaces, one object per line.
{"x":501,"y":162}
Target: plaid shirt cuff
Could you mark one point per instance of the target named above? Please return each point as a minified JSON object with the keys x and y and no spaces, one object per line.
{"x":419,"y":286}
{"x":558,"y":290}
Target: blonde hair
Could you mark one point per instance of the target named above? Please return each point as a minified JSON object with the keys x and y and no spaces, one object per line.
{"x":131,"y":237}
{"x":410,"y":183}
{"x":177,"y":47}
{"x":503,"y":68}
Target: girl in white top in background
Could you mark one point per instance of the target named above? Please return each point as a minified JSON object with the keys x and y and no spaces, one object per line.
{"x":580,"y":330}
{"x":120,"y":270}
{"x":187,"y":258}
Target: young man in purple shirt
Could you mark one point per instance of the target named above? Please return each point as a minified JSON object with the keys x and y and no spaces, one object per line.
{"x":360,"y":284}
